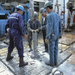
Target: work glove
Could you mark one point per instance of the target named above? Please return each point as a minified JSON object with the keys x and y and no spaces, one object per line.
{"x":40,"y":28}
{"x":37,"y":30}
{"x":32,"y":31}
{"x":7,"y":29}
{"x":46,"y":41}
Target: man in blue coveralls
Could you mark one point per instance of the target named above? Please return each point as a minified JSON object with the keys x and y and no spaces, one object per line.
{"x":32,"y":26}
{"x":16,"y":30}
{"x":54,"y":31}
{"x":43,"y":22}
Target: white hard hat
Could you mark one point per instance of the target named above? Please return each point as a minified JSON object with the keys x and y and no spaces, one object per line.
{"x":48,"y":3}
{"x":35,"y":14}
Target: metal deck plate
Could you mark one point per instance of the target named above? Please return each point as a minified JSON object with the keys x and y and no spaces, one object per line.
{"x":4,"y":70}
{"x":67,"y":39}
{"x":72,"y":48}
{"x":63,"y":47}
{"x":4,"y":48}
{"x":72,"y":59}
{"x":36,"y":66}
{"x":40,"y":40}
{"x":68,"y":67}
{"x":2,"y":45}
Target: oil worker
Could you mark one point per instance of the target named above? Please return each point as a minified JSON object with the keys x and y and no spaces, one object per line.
{"x":54,"y":31}
{"x":43,"y":22}
{"x":16,"y":30}
{"x":32,"y":25}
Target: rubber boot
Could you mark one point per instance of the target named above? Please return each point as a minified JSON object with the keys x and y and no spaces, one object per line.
{"x":56,"y":64}
{"x":49,"y":64}
{"x":21,"y":62}
{"x":9,"y":57}
{"x":30,"y":48}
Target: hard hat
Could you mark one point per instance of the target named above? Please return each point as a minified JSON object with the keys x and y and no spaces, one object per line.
{"x":70,"y":5}
{"x":35,"y":14}
{"x":48,"y":3}
{"x":20,"y":7}
{"x":55,"y":71}
{"x":42,"y":10}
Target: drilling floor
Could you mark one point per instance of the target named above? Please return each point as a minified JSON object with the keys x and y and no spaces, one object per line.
{"x":37,"y":66}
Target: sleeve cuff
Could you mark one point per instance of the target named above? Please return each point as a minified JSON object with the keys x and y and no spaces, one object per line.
{"x":47,"y":37}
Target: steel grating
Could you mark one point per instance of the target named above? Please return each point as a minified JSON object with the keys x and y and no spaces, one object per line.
{"x":36,"y":66}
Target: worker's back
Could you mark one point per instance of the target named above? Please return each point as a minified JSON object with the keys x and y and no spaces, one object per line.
{"x":16,"y":24}
{"x":55,"y":25}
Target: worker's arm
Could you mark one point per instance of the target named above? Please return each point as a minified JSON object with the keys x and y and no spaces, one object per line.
{"x":39,"y":25}
{"x":6,"y":27}
{"x":44,"y":25}
{"x":21,"y":26}
{"x":60,"y":28}
{"x":49,"y":26}
{"x":28,"y":26}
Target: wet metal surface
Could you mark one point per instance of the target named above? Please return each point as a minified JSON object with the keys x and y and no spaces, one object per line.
{"x":67,"y":39}
{"x":4,"y":70}
{"x":2,"y":38}
{"x":4,"y":48}
{"x":72,"y":59}
{"x":36,"y":66}
{"x":63,"y":47}
{"x":68,"y":67}
{"x":72,"y":48}
{"x":3,"y":45}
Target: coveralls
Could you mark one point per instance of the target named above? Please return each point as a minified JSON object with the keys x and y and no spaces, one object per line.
{"x":32,"y":25}
{"x":16,"y":30}
{"x":44,"y":32}
{"x":54,"y":31}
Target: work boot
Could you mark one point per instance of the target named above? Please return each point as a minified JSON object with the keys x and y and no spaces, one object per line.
{"x":21,"y":62}
{"x":55,"y":64}
{"x":46,"y":50}
{"x":9,"y":57}
{"x":30,"y":50}
{"x":49,"y":64}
